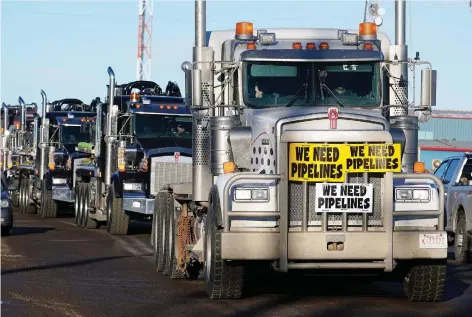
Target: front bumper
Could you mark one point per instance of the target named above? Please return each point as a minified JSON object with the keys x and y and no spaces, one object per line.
{"x":63,"y":193}
{"x":7,"y":217}
{"x":303,"y":246}
{"x":141,"y":205}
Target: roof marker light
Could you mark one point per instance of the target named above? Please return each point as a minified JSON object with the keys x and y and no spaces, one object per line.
{"x":297,"y":45}
{"x":368,"y":46}
{"x":176,"y":107}
{"x":161,"y":106}
{"x":324,"y":46}
{"x":251,"y":46}
{"x":310,"y":46}
{"x":244,"y":31}
{"x":169,"y":107}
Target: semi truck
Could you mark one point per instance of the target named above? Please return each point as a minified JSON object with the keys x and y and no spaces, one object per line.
{"x":19,"y":136}
{"x":50,"y":182}
{"x":305,"y":158}
{"x":140,"y":125}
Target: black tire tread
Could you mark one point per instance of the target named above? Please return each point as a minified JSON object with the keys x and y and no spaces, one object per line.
{"x":119,"y":219}
{"x":426,"y":283}
{"x":48,"y":204}
{"x":226,"y":280}
{"x":462,"y":257}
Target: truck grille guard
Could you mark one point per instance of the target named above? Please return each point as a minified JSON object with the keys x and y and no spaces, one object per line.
{"x":283,"y":214}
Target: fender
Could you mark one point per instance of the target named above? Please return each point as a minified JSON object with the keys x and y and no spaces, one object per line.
{"x":221,"y":182}
{"x":464,"y":202}
{"x":117,"y":184}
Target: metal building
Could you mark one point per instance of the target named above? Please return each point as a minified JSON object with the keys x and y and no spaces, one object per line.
{"x":447,"y":124}
{"x":433,"y":152}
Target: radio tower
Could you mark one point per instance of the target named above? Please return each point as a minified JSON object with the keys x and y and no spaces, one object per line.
{"x":143,"y":67}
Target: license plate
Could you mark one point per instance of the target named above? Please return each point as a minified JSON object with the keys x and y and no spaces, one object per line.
{"x":433,"y":241}
{"x":349,"y":198}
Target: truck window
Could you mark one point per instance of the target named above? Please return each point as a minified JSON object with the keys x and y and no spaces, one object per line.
{"x":466,"y":174}
{"x":439,"y":172}
{"x":450,"y":171}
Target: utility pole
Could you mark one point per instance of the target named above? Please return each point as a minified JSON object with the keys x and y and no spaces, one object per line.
{"x":143,"y":67}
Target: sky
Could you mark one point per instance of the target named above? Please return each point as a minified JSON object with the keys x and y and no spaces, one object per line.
{"x":65,"y":47}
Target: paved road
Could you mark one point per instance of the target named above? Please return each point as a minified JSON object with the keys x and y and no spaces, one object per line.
{"x":52,"y":268}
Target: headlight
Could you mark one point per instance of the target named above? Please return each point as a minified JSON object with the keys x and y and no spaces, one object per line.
{"x":412,"y":194}
{"x":132,"y":186}
{"x":59,"y":181}
{"x":254,"y":194}
{"x":5,"y":203}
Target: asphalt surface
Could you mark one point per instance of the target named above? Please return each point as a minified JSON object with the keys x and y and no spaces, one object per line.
{"x":52,"y":268}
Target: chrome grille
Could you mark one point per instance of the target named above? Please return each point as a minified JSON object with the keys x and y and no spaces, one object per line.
{"x":335,"y":220}
{"x":164,"y":173}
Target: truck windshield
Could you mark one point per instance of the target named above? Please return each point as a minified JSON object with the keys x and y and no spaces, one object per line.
{"x":155,"y":125}
{"x":72,"y":134}
{"x":272,"y":84}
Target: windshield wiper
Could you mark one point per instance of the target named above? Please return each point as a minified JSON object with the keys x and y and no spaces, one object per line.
{"x":303,"y":87}
{"x":332,"y":94}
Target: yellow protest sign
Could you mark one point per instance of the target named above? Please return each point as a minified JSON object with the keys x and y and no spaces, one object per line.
{"x":377,"y":158}
{"x":317,"y":162}
{"x":331,"y":162}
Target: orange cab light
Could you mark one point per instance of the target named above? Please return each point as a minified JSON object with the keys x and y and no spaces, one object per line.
{"x":176,"y":107}
{"x":310,"y":46}
{"x":229,"y":167}
{"x":161,"y":106}
{"x":138,"y":106}
{"x":65,"y":119}
{"x":367,"y":28}
{"x":297,"y":45}
{"x":418,"y":167}
{"x":324,"y":46}
{"x":169,"y":107}
{"x":244,"y":28}
{"x":251,"y":46}
{"x":368,"y":46}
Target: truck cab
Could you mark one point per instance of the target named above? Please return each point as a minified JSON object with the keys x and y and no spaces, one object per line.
{"x":455,"y":172}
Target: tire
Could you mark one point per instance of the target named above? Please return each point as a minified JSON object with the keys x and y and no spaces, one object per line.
{"x":30,"y":207}
{"x":22,"y":198}
{"x":6,"y":231}
{"x":15,"y":199}
{"x":223,"y":280}
{"x":171,"y":259}
{"x":118,"y":220}
{"x":461,"y":241}
{"x":156,"y":228}
{"x":425,"y":282}
{"x":89,"y":223}
{"x":48,"y":205}
{"x":76,"y":200}
{"x":161,"y":261}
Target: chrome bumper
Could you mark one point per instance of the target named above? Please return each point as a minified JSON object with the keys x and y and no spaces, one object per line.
{"x":64,"y":194}
{"x":141,"y":205}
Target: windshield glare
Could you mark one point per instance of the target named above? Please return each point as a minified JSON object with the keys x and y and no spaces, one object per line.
{"x":73,"y":135}
{"x":151,"y":126}
{"x":273,"y":84}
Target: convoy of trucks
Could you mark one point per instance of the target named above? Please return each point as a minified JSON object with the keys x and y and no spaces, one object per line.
{"x":292,"y":147}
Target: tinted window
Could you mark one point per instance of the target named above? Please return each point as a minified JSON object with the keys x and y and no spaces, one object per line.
{"x":439,"y":173}
{"x":450,"y":171}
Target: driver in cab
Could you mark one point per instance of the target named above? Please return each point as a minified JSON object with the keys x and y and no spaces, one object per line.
{"x":181,"y":131}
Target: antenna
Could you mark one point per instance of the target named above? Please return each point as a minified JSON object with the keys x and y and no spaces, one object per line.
{"x":143,"y":67}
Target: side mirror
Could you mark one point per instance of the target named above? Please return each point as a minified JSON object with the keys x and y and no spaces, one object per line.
{"x":428,"y":87}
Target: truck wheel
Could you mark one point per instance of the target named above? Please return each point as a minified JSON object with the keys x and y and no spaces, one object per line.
{"x":24,"y":198}
{"x":171,"y":260}
{"x":30,"y":207}
{"x":118,"y":220}
{"x":48,"y":205}
{"x":89,"y":223}
{"x":223,"y":280}
{"x":156,"y":228}
{"x":425,"y":283}
{"x":461,"y":241}
{"x":20,"y":199}
{"x":15,"y":197}
{"x":76,"y":200}
{"x":161,"y":233}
